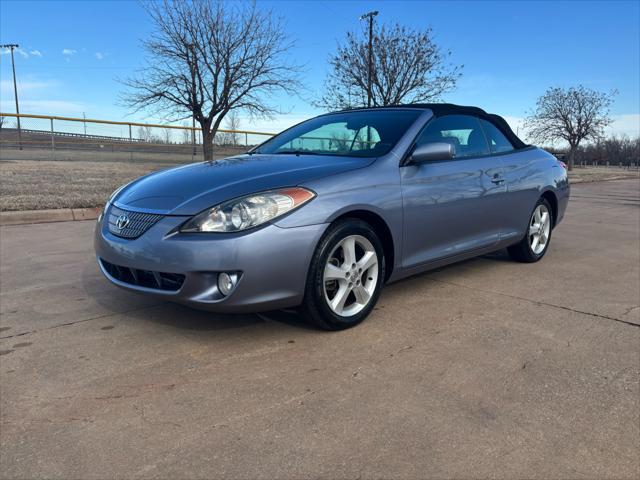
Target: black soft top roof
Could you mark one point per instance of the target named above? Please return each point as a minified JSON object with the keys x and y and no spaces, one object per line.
{"x":441,"y":109}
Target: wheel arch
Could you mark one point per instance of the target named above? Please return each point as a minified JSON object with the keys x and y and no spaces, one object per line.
{"x":551,"y":197}
{"x":382,"y":230}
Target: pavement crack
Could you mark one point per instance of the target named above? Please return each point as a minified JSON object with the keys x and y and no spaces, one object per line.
{"x":538,"y":302}
{"x":67,"y":324}
{"x":56,"y":421}
{"x":145,"y":419}
{"x":629,"y":310}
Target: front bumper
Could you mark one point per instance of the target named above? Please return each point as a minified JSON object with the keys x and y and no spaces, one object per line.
{"x":271,"y":263}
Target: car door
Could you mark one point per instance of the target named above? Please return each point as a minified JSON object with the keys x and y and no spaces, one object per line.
{"x":522,"y":181}
{"x":452,"y":206}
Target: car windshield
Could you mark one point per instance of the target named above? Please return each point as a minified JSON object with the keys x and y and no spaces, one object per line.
{"x":368,"y":133}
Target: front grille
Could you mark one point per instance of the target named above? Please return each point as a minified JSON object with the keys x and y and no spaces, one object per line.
{"x":136,"y":223}
{"x":170,"y":282}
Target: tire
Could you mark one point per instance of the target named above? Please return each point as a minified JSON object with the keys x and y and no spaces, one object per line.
{"x":332,"y":276}
{"x":528,"y":250}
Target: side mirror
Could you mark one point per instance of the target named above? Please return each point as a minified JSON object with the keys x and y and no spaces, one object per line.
{"x":431,"y":152}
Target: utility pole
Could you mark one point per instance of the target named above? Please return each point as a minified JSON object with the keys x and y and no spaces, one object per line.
{"x":12,"y":46}
{"x":370,"y":16}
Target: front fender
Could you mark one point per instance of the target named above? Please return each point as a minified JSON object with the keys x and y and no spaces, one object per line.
{"x":375,"y":189}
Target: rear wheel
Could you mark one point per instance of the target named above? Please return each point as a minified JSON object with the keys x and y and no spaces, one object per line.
{"x":536,"y":241}
{"x":345,"y":276}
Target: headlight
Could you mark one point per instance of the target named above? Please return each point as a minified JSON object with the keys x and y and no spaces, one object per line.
{"x":249,"y":211}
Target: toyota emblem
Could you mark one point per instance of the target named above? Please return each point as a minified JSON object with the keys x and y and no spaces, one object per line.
{"x":122,"y":222}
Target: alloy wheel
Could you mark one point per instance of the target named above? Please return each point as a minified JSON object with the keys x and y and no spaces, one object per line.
{"x":350,"y":275}
{"x":539,"y":229}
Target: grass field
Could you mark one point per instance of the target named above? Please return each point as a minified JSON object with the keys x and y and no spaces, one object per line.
{"x":42,"y":184}
{"x":27,"y":184}
{"x":596,"y":174}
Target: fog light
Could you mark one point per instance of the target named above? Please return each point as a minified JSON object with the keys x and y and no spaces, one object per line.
{"x":225,"y":283}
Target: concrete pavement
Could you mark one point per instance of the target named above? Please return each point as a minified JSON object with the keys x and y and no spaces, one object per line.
{"x":487,"y":368}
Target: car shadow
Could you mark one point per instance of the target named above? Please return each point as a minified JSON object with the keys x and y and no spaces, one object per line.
{"x":121,"y":302}
{"x":117,"y":301}
{"x":184,"y":317}
{"x":498,"y":256}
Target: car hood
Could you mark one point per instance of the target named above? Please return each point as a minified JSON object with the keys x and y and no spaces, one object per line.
{"x":190,"y":189}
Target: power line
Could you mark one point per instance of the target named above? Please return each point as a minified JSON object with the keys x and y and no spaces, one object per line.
{"x":12,"y":47}
{"x":369,"y":16}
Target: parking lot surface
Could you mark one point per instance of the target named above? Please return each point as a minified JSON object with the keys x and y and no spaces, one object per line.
{"x":487,"y":368}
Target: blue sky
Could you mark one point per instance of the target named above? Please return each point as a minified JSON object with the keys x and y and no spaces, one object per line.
{"x":73,"y":52}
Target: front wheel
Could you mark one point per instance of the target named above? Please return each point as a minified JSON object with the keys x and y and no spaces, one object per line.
{"x":345,"y":276}
{"x":536,"y":241}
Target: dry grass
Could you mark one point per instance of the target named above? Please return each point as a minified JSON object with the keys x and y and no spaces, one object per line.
{"x":35,"y":185}
{"x":31,"y":179}
{"x":597,"y":174}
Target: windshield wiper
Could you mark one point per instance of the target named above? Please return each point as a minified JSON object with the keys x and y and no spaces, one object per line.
{"x":298,"y":153}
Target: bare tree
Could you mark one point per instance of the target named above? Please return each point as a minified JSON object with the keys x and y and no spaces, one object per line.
{"x":208,"y":58}
{"x":232,"y":123}
{"x":620,"y":150}
{"x":573,"y":115}
{"x":145,"y":134}
{"x":166,"y":135}
{"x":407,"y":66}
{"x":186,"y":134}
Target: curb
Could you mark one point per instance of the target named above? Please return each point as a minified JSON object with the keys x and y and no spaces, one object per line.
{"x":48,"y":216}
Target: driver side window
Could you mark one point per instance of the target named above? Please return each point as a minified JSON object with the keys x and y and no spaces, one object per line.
{"x":336,"y":138}
{"x":462,"y":131}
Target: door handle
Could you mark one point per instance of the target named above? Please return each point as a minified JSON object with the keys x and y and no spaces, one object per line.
{"x":497,"y":179}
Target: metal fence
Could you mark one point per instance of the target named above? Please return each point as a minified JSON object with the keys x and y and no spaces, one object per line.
{"x":44,"y":137}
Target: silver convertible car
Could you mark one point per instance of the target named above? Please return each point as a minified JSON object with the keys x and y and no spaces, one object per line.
{"x":322,"y":215}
